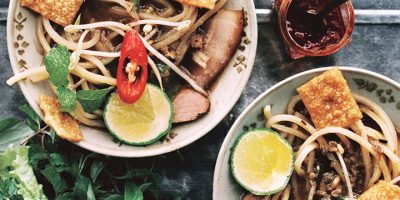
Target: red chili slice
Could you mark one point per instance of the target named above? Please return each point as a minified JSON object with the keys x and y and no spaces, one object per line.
{"x":132,"y":70}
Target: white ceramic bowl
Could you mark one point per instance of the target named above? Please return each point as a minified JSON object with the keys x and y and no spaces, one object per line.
{"x":23,"y":48}
{"x":362,"y":82}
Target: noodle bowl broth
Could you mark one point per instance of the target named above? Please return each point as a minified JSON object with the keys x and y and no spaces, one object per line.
{"x":362,"y":82}
{"x":25,"y":52}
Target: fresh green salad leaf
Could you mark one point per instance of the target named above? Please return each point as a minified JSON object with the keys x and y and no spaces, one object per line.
{"x":33,"y":120}
{"x":14,"y":164}
{"x":8,"y":188}
{"x":13,"y":132}
{"x":57,"y":62}
{"x":91,"y":100}
{"x":90,"y":193}
{"x":67,"y":99}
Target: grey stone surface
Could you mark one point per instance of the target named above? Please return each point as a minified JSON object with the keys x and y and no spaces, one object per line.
{"x":189,"y":172}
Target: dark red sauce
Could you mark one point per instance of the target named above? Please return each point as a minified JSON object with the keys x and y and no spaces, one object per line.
{"x":310,"y":32}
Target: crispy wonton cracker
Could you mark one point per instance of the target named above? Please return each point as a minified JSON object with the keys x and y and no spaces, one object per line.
{"x":62,"y":12}
{"x":65,"y":126}
{"x":329,"y":101}
{"x":209,"y":4}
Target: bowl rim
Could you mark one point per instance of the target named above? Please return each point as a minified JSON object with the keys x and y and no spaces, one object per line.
{"x":233,"y":131}
{"x":253,"y":34}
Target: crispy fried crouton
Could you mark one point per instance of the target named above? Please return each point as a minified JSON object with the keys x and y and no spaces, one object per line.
{"x":383,"y":191}
{"x":65,"y":126}
{"x":61,"y":12}
{"x":329,"y":101}
{"x":199,"y":3}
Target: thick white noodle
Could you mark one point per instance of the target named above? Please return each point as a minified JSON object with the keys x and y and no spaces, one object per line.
{"x":31,"y":72}
{"x":174,"y":67}
{"x":346,"y":175}
{"x":386,"y":132}
{"x":301,"y":155}
{"x":156,"y":72}
{"x":105,"y":24}
{"x":380,"y":112}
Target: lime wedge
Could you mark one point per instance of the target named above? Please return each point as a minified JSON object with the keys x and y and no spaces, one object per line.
{"x":262,"y":161}
{"x":141,"y":123}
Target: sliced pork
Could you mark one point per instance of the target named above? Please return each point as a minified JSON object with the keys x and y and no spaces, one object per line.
{"x":189,"y":105}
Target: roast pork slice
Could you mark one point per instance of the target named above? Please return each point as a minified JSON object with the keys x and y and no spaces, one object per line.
{"x":189,"y":105}
{"x":223,"y":35}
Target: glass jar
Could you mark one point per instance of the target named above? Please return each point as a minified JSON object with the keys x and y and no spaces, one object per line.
{"x":295,"y":50}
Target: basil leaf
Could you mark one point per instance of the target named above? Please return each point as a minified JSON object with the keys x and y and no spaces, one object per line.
{"x":132,"y":192}
{"x":91,"y":100}
{"x":51,"y":174}
{"x":67,"y":99}
{"x":33,"y":120}
{"x":13,"y":134}
{"x":57,"y":62}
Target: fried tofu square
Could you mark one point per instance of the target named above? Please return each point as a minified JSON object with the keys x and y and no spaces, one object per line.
{"x":209,"y":4}
{"x":63,"y":124}
{"x":383,"y":191}
{"x":62,"y":12}
{"x":329,"y":101}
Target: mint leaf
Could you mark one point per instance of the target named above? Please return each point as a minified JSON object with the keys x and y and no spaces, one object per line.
{"x":33,"y":120}
{"x":91,"y":100}
{"x":67,"y":99}
{"x":51,"y":174}
{"x":57,"y":62}
{"x":132,"y":192}
{"x":12,"y":134}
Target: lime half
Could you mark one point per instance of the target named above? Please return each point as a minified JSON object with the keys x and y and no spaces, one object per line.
{"x":262,"y":161}
{"x":143,"y":122}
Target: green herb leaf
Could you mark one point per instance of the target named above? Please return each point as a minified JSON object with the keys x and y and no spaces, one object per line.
{"x":57,"y":62}
{"x":67,"y":99}
{"x":12,"y":133}
{"x":132,"y":192}
{"x":144,"y":186}
{"x":36,"y":154}
{"x":114,"y":197}
{"x":95,"y":169}
{"x":81,"y":187}
{"x":8,"y":188}
{"x":90,"y":194}
{"x":137,"y":4}
{"x":33,"y":120}
{"x":66,"y":196}
{"x":51,"y":174}
{"x":91,"y":100}
{"x":7,"y":123}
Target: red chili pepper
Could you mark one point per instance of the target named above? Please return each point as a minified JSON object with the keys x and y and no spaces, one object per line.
{"x":132,"y":70}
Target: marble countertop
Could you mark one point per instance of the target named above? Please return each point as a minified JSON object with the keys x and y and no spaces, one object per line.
{"x":189,"y":172}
